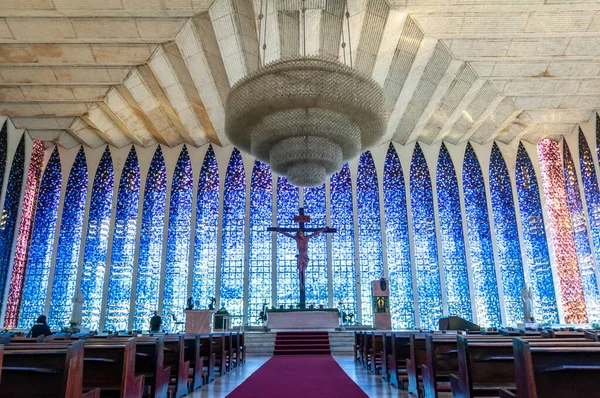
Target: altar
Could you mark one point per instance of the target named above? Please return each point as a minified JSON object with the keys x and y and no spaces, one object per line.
{"x":297,"y":319}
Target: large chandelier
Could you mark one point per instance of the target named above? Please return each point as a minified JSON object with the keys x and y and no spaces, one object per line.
{"x":305,"y":116}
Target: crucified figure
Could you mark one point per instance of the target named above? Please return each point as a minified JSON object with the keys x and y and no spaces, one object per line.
{"x":302,"y":244}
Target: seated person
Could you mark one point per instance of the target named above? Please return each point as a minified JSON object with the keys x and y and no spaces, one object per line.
{"x":40,"y":328}
{"x":155,"y":322}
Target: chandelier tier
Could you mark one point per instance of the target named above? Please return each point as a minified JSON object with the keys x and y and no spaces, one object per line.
{"x":305,"y":116}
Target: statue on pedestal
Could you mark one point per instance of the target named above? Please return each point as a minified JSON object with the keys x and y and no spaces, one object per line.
{"x":527,"y":298}
{"x":78,"y":300}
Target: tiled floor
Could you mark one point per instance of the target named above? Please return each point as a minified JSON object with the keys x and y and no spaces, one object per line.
{"x":372,"y":385}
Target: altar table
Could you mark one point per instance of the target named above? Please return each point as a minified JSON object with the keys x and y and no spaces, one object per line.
{"x":302,"y":319}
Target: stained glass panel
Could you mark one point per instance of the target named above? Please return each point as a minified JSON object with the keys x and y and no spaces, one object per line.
{"x":316,"y":271}
{"x":234,"y":225}
{"x":10,"y":212}
{"x":342,"y":243}
{"x":398,"y":246}
{"x":288,"y":290}
{"x":487,"y":305}
{"x":507,"y":238}
{"x":42,"y":243}
{"x":452,"y":239}
{"x":178,"y":243}
{"x":260,"y":259}
{"x":582,"y":240}
{"x":15,"y":291}
{"x":561,"y":232}
{"x":69,"y":244}
{"x":96,"y":242}
{"x":151,"y":242}
{"x":534,"y":240}
{"x":425,"y":244}
{"x":369,"y":232}
{"x":123,"y":246}
{"x":207,"y":219}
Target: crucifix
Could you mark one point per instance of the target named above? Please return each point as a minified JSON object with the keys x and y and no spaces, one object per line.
{"x":301,"y":237}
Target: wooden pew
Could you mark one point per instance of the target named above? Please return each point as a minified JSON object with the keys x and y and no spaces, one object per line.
{"x":376,"y":352}
{"x":192,"y":355}
{"x":242,"y":347}
{"x":546,"y":372}
{"x":400,"y":343}
{"x":441,"y":360}
{"x":486,"y":367}
{"x":386,"y":355}
{"x":175,"y":359}
{"x":357,"y":345}
{"x":208,"y":355}
{"x":220,"y":348}
{"x":44,"y":373}
{"x":414,"y":362}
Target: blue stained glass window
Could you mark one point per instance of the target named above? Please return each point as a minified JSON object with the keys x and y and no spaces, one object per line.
{"x":232,"y":249}
{"x":487,"y":305}
{"x":123,"y":246}
{"x":260,"y":259}
{"x":398,"y":247}
{"x":534,"y":240}
{"x":452,"y":239}
{"x":96,"y":242}
{"x":42,"y":243}
{"x":592,"y":199}
{"x":288,"y":285}
{"x":178,"y":242}
{"x":426,"y":253}
{"x":207,"y":219}
{"x":10,"y":211}
{"x":316,"y":271}
{"x":582,"y":241}
{"x":507,"y":238}
{"x":369,"y":232}
{"x":69,"y":243}
{"x":151,"y":242}
{"x":342,"y":242}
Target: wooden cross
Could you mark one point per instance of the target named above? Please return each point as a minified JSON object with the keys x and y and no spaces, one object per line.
{"x":302,"y":243}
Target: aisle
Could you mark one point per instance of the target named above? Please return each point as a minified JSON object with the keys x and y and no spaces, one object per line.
{"x":299,"y":377}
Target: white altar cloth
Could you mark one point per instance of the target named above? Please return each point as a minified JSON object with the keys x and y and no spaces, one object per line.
{"x":299,"y":320}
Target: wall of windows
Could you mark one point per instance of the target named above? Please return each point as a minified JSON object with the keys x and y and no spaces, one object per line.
{"x":448,"y":249}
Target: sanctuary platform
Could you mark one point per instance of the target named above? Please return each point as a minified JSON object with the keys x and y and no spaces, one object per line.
{"x":306,"y":319}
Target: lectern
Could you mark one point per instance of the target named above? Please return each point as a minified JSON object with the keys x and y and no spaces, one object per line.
{"x":198,"y":321}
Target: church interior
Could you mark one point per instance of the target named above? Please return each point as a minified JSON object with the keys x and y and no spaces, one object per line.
{"x":300,"y":198}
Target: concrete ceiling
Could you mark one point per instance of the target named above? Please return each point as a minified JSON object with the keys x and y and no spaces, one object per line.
{"x":153,"y":71}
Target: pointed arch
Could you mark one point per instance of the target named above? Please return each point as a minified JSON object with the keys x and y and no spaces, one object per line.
{"x":507,"y":238}
{"x":397,"y":242}
{"x":178,"y":242}
{"x":582,"y":240}
{"x":234,"y":225}
{"x":369,"y":232}
{"x":315,"y":205}
{"x":260,"y":259}
{"x":10,"y":212}
{"x":342,"y":242}
{"x":288,"y":290}
{"x":96,"y":242}
{"x":123,"y":246}
{"x":69,"y":243}
{"x":534,"y":240}
{"x":207,"y":221}
{"x":427,"y":267}
{"x":13,"y":303}
{"x":42,"y":243}
{"x":151,"y":241}
{"x":487,"y":304}
{"x":452,"y":239}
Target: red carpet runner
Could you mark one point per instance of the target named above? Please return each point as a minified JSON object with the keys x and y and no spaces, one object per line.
{"x":305,"y":376}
